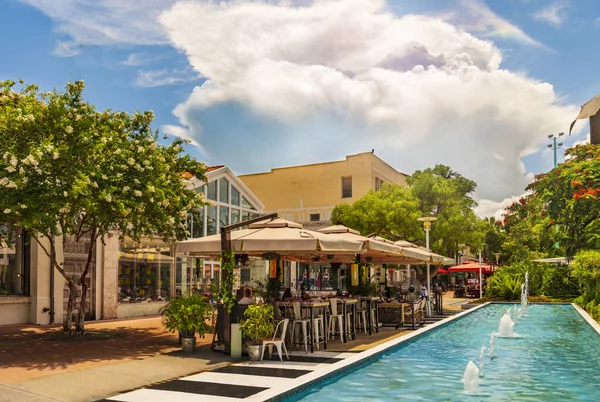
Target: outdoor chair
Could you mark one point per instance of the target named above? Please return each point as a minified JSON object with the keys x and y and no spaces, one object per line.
{"x":302,"y":324}
{"x":335,"y":318}
{"x":361,"y":316}
{"x":279,"y":343}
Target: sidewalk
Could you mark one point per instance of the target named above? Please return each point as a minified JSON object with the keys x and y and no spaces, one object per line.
{"x":36,"y":365}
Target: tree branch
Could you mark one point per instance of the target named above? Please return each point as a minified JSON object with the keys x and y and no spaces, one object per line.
{"x":53,"y":260}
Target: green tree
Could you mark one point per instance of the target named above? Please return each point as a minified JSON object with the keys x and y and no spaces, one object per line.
{"x":70,"y":171}
{"x":392,"y":212}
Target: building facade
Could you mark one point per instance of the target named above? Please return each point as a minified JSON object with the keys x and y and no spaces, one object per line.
{"x":308,"y":193}
{"x":128,"y":279}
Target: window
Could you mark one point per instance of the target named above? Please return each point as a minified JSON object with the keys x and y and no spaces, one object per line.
{"x":246,"y":204}
{"x":200,"y":189}
{"x":378,"y":184}
{"x":346,"y":187}
{"x":315,"y":217}
{"x":245,"y":215}
{"x":223,"y":216}
{"x":235,"y":196}
{"x":211,"y":220}
{"x":13,"y":272}
{"x":198,"y":225}
{"x":235,"y":215}
{"x":224,"y":191}
{"x":144,"y":274}
{"x":211,"y":191}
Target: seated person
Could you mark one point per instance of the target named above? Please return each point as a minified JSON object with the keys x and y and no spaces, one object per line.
{"x":287,"y":295}
{"x":247,"y":299}
{"x":304,"y":295}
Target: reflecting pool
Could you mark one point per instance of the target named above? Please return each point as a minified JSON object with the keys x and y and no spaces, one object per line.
{"x":555,"y":357}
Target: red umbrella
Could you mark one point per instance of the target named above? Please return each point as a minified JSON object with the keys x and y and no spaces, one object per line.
{"x":471,"y":266}
{"x":442,"y":271}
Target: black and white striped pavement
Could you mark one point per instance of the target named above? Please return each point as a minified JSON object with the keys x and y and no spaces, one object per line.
{"x":246,"y":381}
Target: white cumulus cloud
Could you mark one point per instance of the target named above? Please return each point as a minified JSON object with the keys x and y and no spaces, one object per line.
{"x":418,"y":89}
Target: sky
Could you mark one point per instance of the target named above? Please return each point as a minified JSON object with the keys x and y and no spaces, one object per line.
{"x":473,"y":84}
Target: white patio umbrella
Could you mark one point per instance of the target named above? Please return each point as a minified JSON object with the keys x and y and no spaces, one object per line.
{"x":275,"y":235}
{"x":373,"y":246}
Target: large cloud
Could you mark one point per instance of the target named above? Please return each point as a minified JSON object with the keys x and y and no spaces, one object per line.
{"x":296,"y":82}
{"x":418,"y":89}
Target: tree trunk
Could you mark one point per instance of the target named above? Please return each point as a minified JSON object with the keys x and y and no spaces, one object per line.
{"x":80,"y":326}
{"x":68,"y":323}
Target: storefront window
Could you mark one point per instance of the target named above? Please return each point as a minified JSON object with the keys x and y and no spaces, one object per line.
{"x":245,"y":215}
{"x":246,"y":204}
{"x":235,"y":196}
{"x":224,"y":190}
{"x":144,"y":275}
{"x":235,"y":215}
{"x":223,"y":216}
{"x":211,"y":220}
{"x":198,"y":225}
{"x":211,"y":191}
{"x":14,"y":269}
{"x":316,"y":277}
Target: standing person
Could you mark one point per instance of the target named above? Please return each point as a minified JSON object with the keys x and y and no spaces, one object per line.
{"x":424,"y":292}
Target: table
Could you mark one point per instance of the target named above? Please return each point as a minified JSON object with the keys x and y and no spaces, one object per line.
{"x":398,"y":308}
{"x":370,"y":301}
{"x":311,"y":306}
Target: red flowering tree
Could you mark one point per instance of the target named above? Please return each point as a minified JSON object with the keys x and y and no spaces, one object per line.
{"x":568,"y":197}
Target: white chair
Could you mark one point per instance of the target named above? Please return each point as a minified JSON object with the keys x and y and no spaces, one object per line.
{"x":361,"y":317}
{"x":335,"y":318}
{"x":278,"y":342}
{"x":302,"y":324}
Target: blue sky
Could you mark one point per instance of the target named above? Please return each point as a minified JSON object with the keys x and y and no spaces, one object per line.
{"x":473,"y":84}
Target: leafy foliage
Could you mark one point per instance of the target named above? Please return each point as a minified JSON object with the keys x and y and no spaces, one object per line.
{"x":392,"y":212}
{"x":227,"y":277}
{"x":586,"y":269}
{"x":69,"y":170}
{"x":258,"y":324}
{"x":188,"y":314}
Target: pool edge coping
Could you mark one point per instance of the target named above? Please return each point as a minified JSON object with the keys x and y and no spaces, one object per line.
{"x":587,"y":317}
{"x":277,"y":394}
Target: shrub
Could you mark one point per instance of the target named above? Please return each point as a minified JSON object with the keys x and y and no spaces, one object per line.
{"x":188,"y":314}
{"x":258,"y":323}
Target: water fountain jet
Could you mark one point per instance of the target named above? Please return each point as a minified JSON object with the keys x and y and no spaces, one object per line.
{"x":505,"y":329}
{"x":471,"y":378}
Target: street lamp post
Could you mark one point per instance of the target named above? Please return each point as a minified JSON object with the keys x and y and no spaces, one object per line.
{"x":427,"y":226}
{"x":555,"y":145}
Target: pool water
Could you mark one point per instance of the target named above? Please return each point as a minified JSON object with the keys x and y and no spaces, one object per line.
{"x":556,"y":358}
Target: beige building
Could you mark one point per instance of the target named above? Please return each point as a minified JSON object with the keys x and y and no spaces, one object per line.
{"x":127,"y":279}
{"x":308,"y":193}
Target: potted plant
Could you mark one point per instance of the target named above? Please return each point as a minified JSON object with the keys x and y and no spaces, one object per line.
{"x":189,"y":315}
{"x":258,"y":325}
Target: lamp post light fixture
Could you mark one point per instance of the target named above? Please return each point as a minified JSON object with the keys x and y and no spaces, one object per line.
{"x":554,"y":146}
{"x":427,"y":226}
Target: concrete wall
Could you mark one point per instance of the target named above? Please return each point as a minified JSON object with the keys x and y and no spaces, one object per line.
{"x":40,"y":284}
{"x":109,"y":272}
{"x":298,"y":191}
{"x":139,"y":309}
{"x":14,"y":310}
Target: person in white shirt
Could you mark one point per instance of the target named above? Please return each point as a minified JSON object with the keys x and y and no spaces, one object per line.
{"x":247,"y":299}
{"x":424,"y":291}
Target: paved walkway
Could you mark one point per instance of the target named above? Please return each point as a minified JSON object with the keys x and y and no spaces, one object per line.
{"x":38,"y":366}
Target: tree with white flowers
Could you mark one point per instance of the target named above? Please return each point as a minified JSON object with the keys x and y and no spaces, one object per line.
{"x":68,"y":170}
